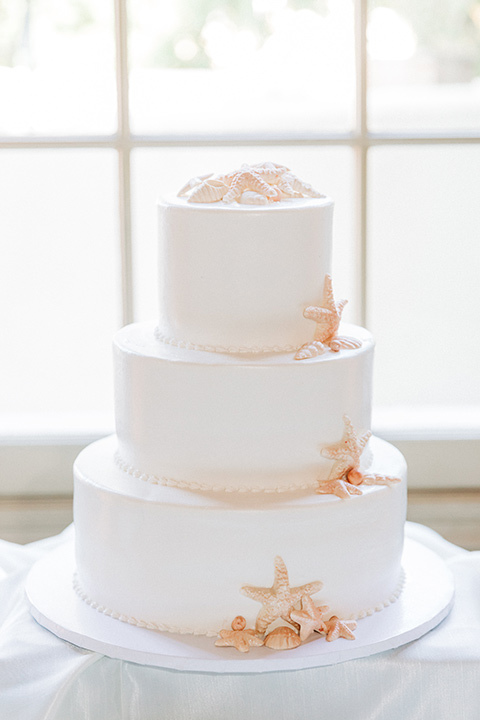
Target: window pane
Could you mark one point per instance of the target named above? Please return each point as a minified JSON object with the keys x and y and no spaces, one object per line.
{"x":59,"y":291}
{"x":223,"y":66}
{"x":424,"y":65}
{"x":157,"y":172}
{"x":57,"y":67}
{"x":423,"y":274}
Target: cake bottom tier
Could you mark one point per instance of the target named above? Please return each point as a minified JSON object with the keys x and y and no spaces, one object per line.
{"x":176,"y":560}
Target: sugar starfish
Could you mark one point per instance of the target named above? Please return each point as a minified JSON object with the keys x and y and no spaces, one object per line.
{"x":248,"y":179}
{"x":280,"y":599}
{"x":310,"y":617}
{"x":238,"y":637}
{"x":328,"y":317}
{"x":336,"y":628}
{"x":347,"y":452}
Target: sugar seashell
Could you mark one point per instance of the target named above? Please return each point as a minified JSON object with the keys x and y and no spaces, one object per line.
{"x":285,"y":187}
{"x":375,"y":479}
{"x":355,"y":477}
{"x":282,"y":638}
{"x":208,"y":191}
{"x":239,"y":623}
{"x":310,"y":350}
{"x":192,"y":183}
{"x":345,"y":343}
{"x":301,"y":187}
{"x":252,"y":198}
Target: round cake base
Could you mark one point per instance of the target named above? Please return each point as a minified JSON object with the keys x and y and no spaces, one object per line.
{"x":426,"y":600}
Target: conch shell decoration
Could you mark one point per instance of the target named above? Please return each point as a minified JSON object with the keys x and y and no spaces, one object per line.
{"x":258,"y":184}
{"x":327,"y":316}
{"x":282,"y":601}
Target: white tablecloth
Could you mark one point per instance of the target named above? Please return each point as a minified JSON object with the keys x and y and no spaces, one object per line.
{"x":434,"y":678}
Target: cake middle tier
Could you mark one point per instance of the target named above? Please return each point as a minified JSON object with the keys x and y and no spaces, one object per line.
{"x":224,"y":422}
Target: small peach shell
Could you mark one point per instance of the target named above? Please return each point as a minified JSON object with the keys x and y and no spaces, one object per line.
{"x":310,"y":350}
{"x":239,"y":623}
{"x":355,"y":477}
{"x":282,"y":638}
{"x":345,"y":343}
{"x":208,"y":191}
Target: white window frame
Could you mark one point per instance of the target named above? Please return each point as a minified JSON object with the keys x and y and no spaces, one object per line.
{"x":34,"y":466}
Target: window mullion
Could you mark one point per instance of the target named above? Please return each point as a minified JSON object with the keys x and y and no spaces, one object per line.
{"x":361,"y":136}
{"x":124,"y":184}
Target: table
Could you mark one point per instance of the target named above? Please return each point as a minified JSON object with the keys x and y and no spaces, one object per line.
{"x":434,"y":678}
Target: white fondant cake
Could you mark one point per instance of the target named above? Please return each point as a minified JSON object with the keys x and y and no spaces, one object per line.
{"x":229,"y":451}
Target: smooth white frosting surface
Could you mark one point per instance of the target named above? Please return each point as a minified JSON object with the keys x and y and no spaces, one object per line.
{"x":224,"y":421}
{"x":240,"y":276}
{"x":178,"y":559}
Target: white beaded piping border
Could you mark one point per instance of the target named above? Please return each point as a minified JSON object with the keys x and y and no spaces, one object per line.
{"x":132,"y":620}
{"x":230,"y":350}
{"x":170,"y":482}
{"x":209,"y":633}
{"x":389,"y":601}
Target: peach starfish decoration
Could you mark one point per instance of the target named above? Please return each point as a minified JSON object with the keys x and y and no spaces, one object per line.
{"x":336,"y":628}
{"x":328,"y":317}
{"x":345,"y":476}
{"x":238,"y":637}
{"x":309,"y":618}
{"x":280,"y":599}
{"x":248,"y":179}
{"x":347,"y":454}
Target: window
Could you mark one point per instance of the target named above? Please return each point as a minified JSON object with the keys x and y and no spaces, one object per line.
{"x":376,"y":103}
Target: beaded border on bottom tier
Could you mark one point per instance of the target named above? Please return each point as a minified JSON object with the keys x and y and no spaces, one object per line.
{"x":212,"y":633}
{"x":132,"y":620}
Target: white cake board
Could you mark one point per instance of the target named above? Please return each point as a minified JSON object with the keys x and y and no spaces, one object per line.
{"x":425,"y":601}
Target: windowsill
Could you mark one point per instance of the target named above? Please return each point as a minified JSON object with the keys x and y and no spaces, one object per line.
{"x":53,"y":428}
{"x":441,"y":446}
{"x":430,"y":422}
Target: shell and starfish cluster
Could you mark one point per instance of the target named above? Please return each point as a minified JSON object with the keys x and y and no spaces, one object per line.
{"x":282,"y":602}
{"x":345,"y":475}
{"x":258,"y":184}
{"x":327,"y":317}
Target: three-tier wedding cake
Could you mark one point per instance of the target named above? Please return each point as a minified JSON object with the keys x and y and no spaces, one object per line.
{"x":243,"y":444}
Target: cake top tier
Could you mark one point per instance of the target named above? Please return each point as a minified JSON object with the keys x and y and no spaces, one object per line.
{"x":236,"y":273}
{"x":260,"y":184}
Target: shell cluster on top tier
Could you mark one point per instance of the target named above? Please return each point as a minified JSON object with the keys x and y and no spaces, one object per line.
{"x":258,"y":184}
